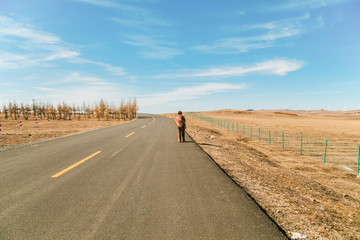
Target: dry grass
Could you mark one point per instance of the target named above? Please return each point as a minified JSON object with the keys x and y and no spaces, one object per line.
{"x":336,"y":125}
{"x":11,"y":133}
{"x":301,"y":194}
{"x":286,"y":113}
{"x":341,"y":129}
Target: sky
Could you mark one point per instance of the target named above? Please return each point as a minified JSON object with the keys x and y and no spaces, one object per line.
{"x":182,"y":55}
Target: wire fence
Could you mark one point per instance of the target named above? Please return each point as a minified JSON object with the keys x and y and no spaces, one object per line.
{"x":336,"y":152}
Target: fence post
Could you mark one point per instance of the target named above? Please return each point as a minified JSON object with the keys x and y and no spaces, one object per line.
{"x":358,"y":161}
{"x":283,"y":140}
{"x":269,"y":137}
{"x":237,"y":127}
{"x":228,"y":124}
{"x":243,"y":129}
{"x":325,"y":151}
{"x":232,"y":126}
{"x":301,"y":143}
{"x":259,"y":135}
{"x":250,"y":132}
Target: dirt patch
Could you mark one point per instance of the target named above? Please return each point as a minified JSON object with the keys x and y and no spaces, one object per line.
{"x":12,"y":134}
{"x":227,"y":111}
{"x":301,"y":194}
{"x":286,"y":113}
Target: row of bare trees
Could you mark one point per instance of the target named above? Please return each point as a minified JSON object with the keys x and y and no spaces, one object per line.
{"x":126,"y":110}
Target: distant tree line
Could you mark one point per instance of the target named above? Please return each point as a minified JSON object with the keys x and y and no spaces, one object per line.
{"x":126,"y":110}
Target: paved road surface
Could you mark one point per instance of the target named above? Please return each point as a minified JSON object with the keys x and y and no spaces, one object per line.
{"x":142,"y":185}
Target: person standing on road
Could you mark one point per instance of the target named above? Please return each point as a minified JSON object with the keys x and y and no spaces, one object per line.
{"x":181,"y":125}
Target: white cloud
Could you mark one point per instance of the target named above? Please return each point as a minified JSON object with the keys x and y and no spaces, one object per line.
{"x":114,"y":4}
{"x":39,"y":48}
{"x":62,"y":54}
{"x":87,"y":80}
{"x":158,"y":52}
{"x":140,"y":22}
{"x":151,"y":48}
{"x":298,"y":4}
{"x":101,"y":3}
{"x":77,"y":88}
{"x":9,"y":27}
{"x":114,"y":70}
{"x":280,"y":67}
{"x":279,"y":24}
{"x":14,"y":61}
{"x":274,"y":31}
{"x":46,"y":89}
{"x":187,"y":93}
{"x":28,"y":46}
{"x":119,"y":71}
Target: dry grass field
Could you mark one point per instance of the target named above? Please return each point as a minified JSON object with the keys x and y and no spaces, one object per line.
{"x":12,"y":134}
{"x":334,"y":125}
{"x":341,"y":129}
{"x":303,"y":195}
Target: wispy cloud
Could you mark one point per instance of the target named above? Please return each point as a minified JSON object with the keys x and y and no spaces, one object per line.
{"x":151,"y":48}
{"x":114,"y":70}
{"x":62,"y":54}
{"x":39,"y":48}
{"x":76,"y":77}
{"x":9,"y":27}
{"x":187,"y":93}
{"x":140,"y":22}
{"x":25,"y":45}
{"x":115,"y":4}
{"x":77,"y":87}
{"x":13,"y":61}
{"x":101,"y":3}
{"x":273,"y":31}
{"x":301,"y":4}
{"x":280,"y":67}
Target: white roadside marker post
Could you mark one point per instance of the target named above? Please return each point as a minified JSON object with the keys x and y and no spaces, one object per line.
{"x":21,"y":126}
{"x":0,"y":129}
{"x":36,"y":122}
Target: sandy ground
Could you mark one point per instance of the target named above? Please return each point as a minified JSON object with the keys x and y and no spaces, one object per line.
{"x":320,"y":201}
{"x":12,"y":134}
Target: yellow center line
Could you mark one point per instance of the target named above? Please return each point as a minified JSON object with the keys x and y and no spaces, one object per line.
{"x":130,"y":134}
{"x":74,"y":165}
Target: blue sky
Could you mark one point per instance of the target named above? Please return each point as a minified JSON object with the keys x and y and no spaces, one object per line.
{"x":188,"y":55}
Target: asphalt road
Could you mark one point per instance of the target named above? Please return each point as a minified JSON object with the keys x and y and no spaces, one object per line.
{"x":132,"y":181}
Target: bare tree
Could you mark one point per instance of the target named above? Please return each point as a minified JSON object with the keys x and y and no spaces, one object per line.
{"x":6,"y":111}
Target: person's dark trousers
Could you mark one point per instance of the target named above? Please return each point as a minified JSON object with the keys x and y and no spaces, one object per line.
{"x":181,"y":134}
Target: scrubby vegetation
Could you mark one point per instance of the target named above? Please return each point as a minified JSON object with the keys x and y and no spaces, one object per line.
{"x":126,"y":110}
